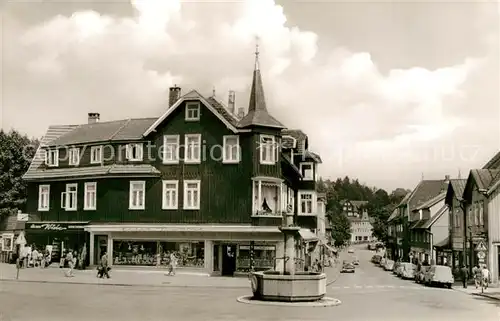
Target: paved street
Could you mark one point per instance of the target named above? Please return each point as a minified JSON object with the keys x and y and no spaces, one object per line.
{"x":369,"y":294}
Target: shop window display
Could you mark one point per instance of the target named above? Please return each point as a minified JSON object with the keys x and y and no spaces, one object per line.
{"x":152,"y":253}
{"x":264,"y":257}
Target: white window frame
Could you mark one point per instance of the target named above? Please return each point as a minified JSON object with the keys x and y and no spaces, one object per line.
{"x":311,"y":178}
{"x":93,"y":152}
{"x":140,"y":152}
{"x":187,"y":146}
{"x":43,"y":207}
{"x":227,"y":159}
{"x":52,"y":157}
{"x":271,"y":151}
{"x":195,"y":108}
{"x":185,"y":192}
{"x":313,"y":205}
{"x":131,"y":196}
{"x":74,"y":156}
{"x":175,"y":160}
{"x":174,"y":201}
{"x":65,"y":199}
{"x":86,"y":206}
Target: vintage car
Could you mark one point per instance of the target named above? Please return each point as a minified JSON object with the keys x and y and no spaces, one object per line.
{"x":439,"y":275}
{"x":407,"y":270}
{"x":389,"y":265}
{"x":419,"y":274}
{"x":351,"y":250}
{"x":355,"y":261}
{"x":397,"y":268}
{"x":376,"y":259}
{"x":348,"y":268}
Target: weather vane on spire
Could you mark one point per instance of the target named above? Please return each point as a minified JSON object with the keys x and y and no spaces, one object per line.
{"x":256,"y":52}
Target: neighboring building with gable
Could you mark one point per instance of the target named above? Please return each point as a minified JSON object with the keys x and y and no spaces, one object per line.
{"x":353,"y":208}
{"x":361,"y":228}
{"x":457,"y":219}
{"x":199,"y":181}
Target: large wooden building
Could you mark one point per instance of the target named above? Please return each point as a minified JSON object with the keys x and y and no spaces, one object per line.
{"x":201,"y":180}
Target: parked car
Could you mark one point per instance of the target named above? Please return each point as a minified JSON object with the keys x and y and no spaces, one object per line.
{"x":439,"y":274}
{"x":397,"y":268}
{"x":348,"y":268}
{"x":376,"y":259}
{"x":389,"y":265}
{"x":419,"y":275}
{"x":407,"y":270}
{"x":350,"y":250}
{"x":372,"y":247}
{"x":382,"y":261}
{"x":355,"y":261}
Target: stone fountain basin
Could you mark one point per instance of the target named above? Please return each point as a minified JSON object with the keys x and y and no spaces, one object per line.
{"x":300,"y":287}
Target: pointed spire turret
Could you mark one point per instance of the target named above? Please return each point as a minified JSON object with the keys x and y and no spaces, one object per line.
{"x":257,"y":110}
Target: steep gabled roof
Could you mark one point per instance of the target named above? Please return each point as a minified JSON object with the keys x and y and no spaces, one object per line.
{"x":214,"y":107}
{"x":433,"y":201}
{"x":455,"y":189}
{"x":493,"y":163}
{"x":394,"y":214}
{"x":426,"y":190}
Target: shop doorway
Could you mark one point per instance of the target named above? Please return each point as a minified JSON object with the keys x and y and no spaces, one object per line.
{"x":100,"y":246}
{"x":228,"y":259}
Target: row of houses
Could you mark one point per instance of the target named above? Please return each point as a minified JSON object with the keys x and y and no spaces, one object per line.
{"x":201,"y":180}
{"x":451,"y":222}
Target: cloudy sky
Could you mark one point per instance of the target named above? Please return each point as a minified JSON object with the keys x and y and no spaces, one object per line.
{"x":387,"y":92}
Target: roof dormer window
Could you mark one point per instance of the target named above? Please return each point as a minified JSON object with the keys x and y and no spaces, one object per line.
{"x":192,"y":111}
{"x":134,"y":152}
{"x":52,"y":157}
{"x":307,"y":171}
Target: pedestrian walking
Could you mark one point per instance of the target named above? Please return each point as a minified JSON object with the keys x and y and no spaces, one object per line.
{"x":486,"y":276}
{"x":71,"y":264}
{"x":104,"y":267}
{"x":478,"y":275}
{"x":172,"y":264}
{"x":464,"y":274}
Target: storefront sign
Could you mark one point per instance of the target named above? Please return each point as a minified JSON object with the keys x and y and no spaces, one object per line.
{"x":57,"y":227}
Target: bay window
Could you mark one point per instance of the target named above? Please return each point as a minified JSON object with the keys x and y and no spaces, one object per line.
{"x":267,"y":197}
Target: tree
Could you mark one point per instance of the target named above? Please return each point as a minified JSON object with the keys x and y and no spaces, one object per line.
{"x":341,"y":228}
{"x":16,"y":153}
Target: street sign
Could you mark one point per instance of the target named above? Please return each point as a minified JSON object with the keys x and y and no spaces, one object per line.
{"x":481,"y":246}
{"x":481,"y":255}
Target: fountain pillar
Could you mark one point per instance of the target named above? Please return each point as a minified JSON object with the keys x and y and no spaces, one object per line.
{"x":289,"y":261}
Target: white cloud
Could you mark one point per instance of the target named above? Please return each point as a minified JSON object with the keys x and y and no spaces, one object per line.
{"x":122,"y":67}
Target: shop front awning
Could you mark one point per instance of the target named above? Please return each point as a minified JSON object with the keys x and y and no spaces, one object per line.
{"x":307,"y":235}
{"x":180,"y":228}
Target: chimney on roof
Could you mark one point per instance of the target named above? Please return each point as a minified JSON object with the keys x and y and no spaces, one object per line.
{"x":241,"y":112}
{"x":174,"y":95}
{"x":94,"y":118}
{"x":230,"y":102}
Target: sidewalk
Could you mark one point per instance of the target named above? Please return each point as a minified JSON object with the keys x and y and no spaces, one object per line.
{"x":492,"y":292}
{"x":134,"y":277}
